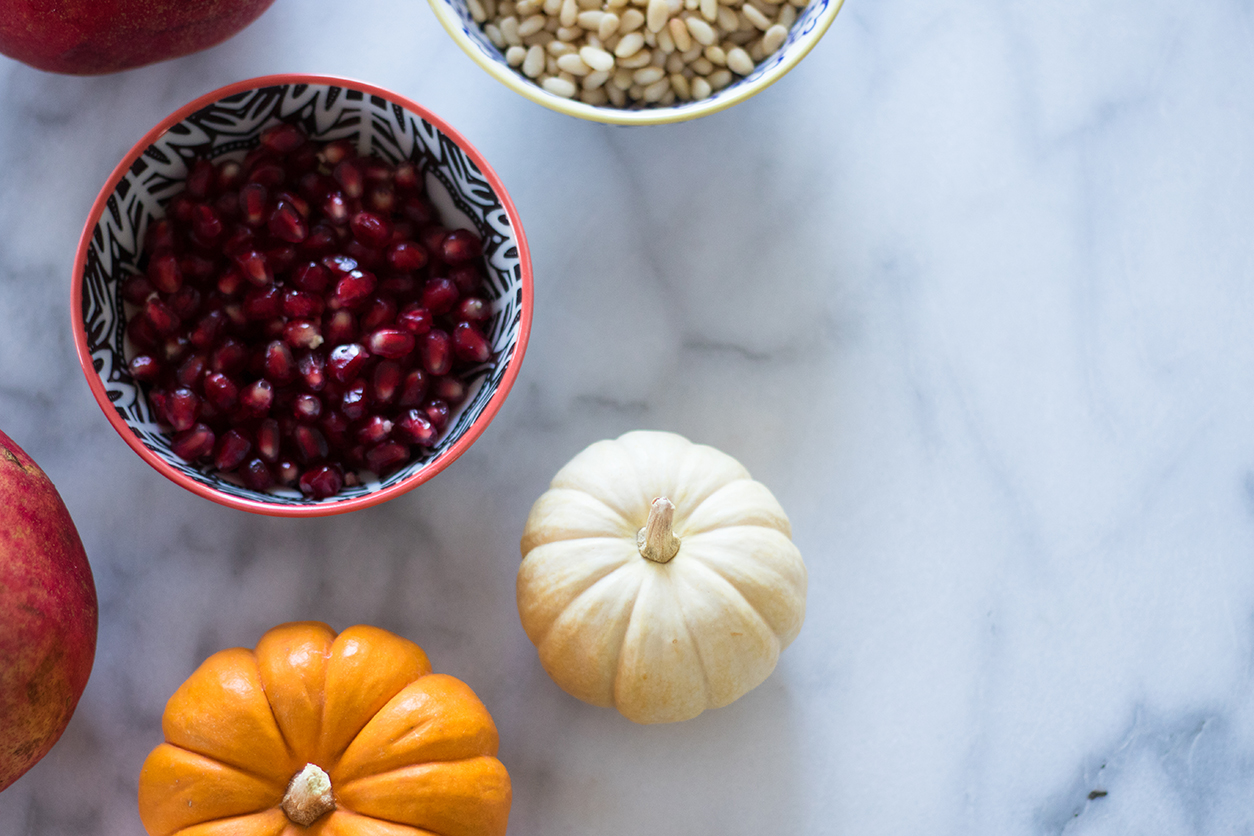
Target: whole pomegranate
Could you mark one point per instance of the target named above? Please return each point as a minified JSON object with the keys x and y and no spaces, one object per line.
{"x":47,"y":614}
{"x":89,"y":37}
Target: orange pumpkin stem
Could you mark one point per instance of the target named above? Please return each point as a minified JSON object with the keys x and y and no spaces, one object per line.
{"x":308,"y":797}
{"x":656,"y":541}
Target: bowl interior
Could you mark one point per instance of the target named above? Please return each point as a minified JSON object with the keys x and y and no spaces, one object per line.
{"x":811,"y":22}
{"x":227,"y":129}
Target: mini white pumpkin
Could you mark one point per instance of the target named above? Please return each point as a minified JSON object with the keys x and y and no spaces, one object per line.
{"x":659,"y":578}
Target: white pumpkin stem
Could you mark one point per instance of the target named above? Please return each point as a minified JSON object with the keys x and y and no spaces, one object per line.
{"x":308,"y":797}
{"x":656,"y":541}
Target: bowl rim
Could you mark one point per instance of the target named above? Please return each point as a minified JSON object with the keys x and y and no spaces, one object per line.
{"x":615,"y":116}
{"x":319,"y":509}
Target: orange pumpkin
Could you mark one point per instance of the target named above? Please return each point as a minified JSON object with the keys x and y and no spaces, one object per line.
{"x":348,"y":735}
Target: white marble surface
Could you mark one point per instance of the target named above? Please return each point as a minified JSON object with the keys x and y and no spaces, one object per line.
{"x":972,"y":290}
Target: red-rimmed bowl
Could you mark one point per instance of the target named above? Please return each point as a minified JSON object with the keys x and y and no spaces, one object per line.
{"x":226,"y":124}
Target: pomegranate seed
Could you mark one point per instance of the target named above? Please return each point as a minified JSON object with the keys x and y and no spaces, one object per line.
{"x":370,"y":258}
{"x":240,"y":240}
{"x":353,"y":403}
{"x":437,"y":412}
{"x":301,"y":304}
{"x":353,"y":290}
{"x":346,"y":362}
{"x":335,"y":207}
{"x":191,"y":371}
{"x":304,"y":158}
{"x":335,"y":427}
{"x":340,"y":327}
{"x":229,"y":357}
{"x":182,"y":408}
{"x":413,"y":388}
{"x":160,"y":235}
{"x":310,"y":444}
{"x":280,"y":365}
{"x":227,"y":206}
{"x":256,"y":476}
{"x":384,"y":458}
{"x":280,"y":258}
{"x":418,"y":210}
{"x":437,"y":352}
{"x":232,"y":449}
{"x":256,"y":398}
{"x":193,"y":443}
{"x":406,"y":256}
{"x":159,"y":402}
{"x":207,"y":225}
{"x":323,"y":481}
{"x":268,"y":440}
{"x":374,"y":430}
{"x":311,"y":277}
{"x":450,"y":389}
{"x":312,"y":370}
{"x":180,"y":208}
{"x":439,"y":295}
{"x":473,"y":309}
{"x":186,"y":302}
{"x":381,"y":198}
{"x":467,"y":278}
{"x":287,"y":473}
{"x":164,"y":271}
{"x":415,"y":427}
{"x":415,"y":319}
{"x":306,"y":407}
{"x":302,"y":333}
{"x":390,"y":342}
{"x":228,"y":175}
{"x":381,"y":312}
{"x":263,"y":303}
{"x":370,"y":229}
{"x":461,"y":246}
{"x":160,"y":317}
{"x":386,"y":381}
{"x":220,"y":391}
{"x":286,"y":223}
{"x":136,"y":289}
{"x":174,"y":348}
{"x":348,"y":175}
{"x":407,"y":177}
{"x":142,"y":334}
{"x":340,"y":149}
{"x":254,"y":267}
{"x":231,"y":282}
{"x":253,"y":199}
{"x":469,"y":344}
{"x":283,"y":138}
{"x":197,"y":268}
{"x":144,"y":367}
{"x":199,"y":180}
{"x":267,"y":173}
{"x":432,"y":237}
{"x":321,"y":238}
{"x":401,"y":284}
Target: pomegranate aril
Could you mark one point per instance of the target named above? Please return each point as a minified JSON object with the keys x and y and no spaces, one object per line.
{"x":437,"y":352}
{"x":392,"y":343}
{"x":180,"y":208}
{"x":353,"y":290}
{"x":354,"y":401}
{"x":335,"y":427}
{"x":231,"y":450}
{"x":407,"y":177}
{"x":253,"y":200}
{"x":432,"y":237}
{"x":280,"y":365}
{"x":304,"y":159}
{"x":310,"y":277}
{"x":309,"y":443}
{"x":348,"y":175}
{"x":182,"y":408}
{"x":413,"y":388}
{"x":381,"y":198}
{"x":231,"y":282}
{"x":267,"y":173}
{"x":306,"y":408}
{"x":469,"y":344}
{"x":164,"y":271}
{"x":312,"y":370}
{"x":335,"y":207}
{"x":269,"y":440}
{"x":302,"y":304}
{"x":440,"y":295}
{"x":145,"y":367}
{"x":373,"y":430}
{"x":142,"y":334}
{"x":186,"y":302}
{"x":415,"y":427}
{"x":256,"y":398}
{"x":280,"y":258}
{"x":174,"y":348}
{"x":406,"y":256}
{"x":254,"y":267}
{"x":193,"y":443}
{"x":418,"y":210}
{"x":340,"y":327}
{"x":197,"y":268}
{"x":437,"y":412}
{"x":450,"y":389}
{"x":287,"y":224}
{"x":340,"y":149}
{"x":228,"y":175}
{"x":370,"y":258}
{"x":227,"y":206}
{"x":287,"y":473}
{"x":199,"y":180}
{"x":220,"y":391}
{"x":384,"y":458}
{"x":468,"y":279}
{"x":263,"y":303}
{"x":321,"y":238}
{"x":346,"y":362}
{"x":191,"y":371}
{"x":401,"y":284}
{"x":256,"y":475}
{"x":461,"y":246}
{"x":380,"y":312}
{"x":385,"y":382}
{"x":302,"y":333}
{"x":238,"y":241}
{"x":415,"y":319}
{"x":207,"y":225}
{"x":136,"y":289}
{"x":323,"y":481}
{"x":158,"y":314}
{"x":229,"y":357}
{"x":473,"y":309}
{"x":159,"y":236}
{"x":283,"y":138}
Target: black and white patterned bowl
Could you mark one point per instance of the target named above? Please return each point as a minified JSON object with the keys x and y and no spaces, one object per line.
{"x":811,"y":23}
{"x":226,"y":124}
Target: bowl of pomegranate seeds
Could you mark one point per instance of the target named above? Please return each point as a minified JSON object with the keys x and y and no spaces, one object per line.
{"x":301,"y":295}
{"x":637,"y":62}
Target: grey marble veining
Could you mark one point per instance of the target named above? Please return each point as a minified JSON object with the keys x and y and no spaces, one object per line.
{"x":969,"y":290}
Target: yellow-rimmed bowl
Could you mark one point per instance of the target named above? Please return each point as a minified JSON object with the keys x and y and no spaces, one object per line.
{"x":812,"y":22}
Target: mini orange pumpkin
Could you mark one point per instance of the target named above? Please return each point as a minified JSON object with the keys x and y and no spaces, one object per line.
{"x":348,"y":735}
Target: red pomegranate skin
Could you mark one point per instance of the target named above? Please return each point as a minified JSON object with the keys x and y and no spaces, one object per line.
{"x":48,"y":614}
{"x":91,"y":37}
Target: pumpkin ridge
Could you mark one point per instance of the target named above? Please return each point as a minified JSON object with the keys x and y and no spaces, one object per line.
{"x":588,"y":588}
{"x":727,"y":582}
{"x":335,"y":757}
{"x":696,"y":645}
{"x":251,"y":773}
{"x":618,"y":654}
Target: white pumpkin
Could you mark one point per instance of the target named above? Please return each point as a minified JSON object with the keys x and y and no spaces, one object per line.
{"x":659,"y":578}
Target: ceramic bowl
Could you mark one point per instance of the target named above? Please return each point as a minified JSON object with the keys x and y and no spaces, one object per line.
{"x":811,"y":23}
{"x":226,"y":124}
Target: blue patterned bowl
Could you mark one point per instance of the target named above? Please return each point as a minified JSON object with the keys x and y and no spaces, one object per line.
{"x":811,"y":23}
{"x":226,"y":124}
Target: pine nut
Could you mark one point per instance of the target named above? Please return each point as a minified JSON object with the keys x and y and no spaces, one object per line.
{"x":597,"y":59}
{"x":595,"y":97}
{"x":728,"y":20}
{"x":709,"y":10}
{"x":489,"y":6}
{"x":636,"y":92}
{"x":640,"y":58}
{"x":573,"y":64}
{"x":494,"y":35}
{"x":588,"y":5}
{"x":540,"y":38}
{"x":617,"y":97}
{"x":659,"y":58}
{"x":701,"y":31}
{"x":509,"y":31}
{"x":716,"y":55}
{"x":656,"y":90}
{"x":680,"y":85}
{"x":570,"y":13}
{"x":679,"y":34}
{"x":559,"y":48}
{"x":477,"y":12}
{"x":668,"y":98}
{"x":569,"y":34}
{"x":674,"y":63}
{"x":594,"y":79}
{"x":665,"y":42}
{"x":692,"y":54}
{"x":692,"y":5}
{"x":756,"y":17}
{"x":720,"y":79}
{"x":615,"y":5}
{"x":621,"y":80}
{"x":552,"y":7}
{"x":590,"y":20}
{"x":550,"y":66}
{"x":657,"y":15}
{"x":514,"y":55}
{"x":702,"y":67}
{"x":506,"y":9}
{"x":647,"y":75}
{"x":559,"y":87}
{"x":531,"y":26}
{"x":632,"y":20}
{"x":533,"y":64}
{"x":526,"y":8}
{"x":701,"y":89}
{"x":608,"y":27}
{"x":738,"y":61}
{"x":755,"y":51}
{"x":629,"y":45}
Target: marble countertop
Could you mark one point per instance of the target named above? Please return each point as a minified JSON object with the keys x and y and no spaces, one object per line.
{"x":970,"y":290}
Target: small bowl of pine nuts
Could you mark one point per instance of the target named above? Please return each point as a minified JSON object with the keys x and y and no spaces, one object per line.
{"x":637,"y":62}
